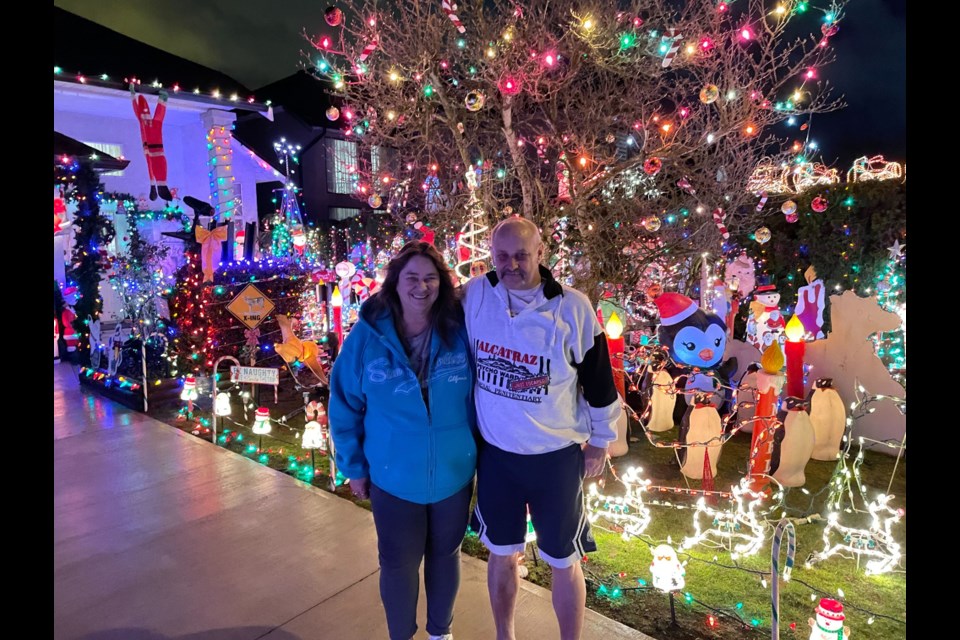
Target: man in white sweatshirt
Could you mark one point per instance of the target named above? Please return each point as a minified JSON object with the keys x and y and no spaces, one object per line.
{"x":547,"y":409}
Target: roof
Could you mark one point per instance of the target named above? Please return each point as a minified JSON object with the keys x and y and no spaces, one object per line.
{"x":64,"y":145}
{"x":83,"y":47}
{"x":303,"y":96}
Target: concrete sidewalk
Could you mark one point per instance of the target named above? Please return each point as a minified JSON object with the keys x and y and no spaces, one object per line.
{"x":159,"y":535}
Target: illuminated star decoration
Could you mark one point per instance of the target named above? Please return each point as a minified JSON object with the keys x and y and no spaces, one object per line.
{"x":737,"y":525}
{"x":896,"y":251}
{"x":627,"y":510}
{"x":876,"y":542}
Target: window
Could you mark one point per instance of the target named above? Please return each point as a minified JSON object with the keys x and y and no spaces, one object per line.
{"x":114,"y":150}
{"x":375,"y":161}
{"x":341,"y":166}
{"x":340,"y":213}
{"x":237,"y":208}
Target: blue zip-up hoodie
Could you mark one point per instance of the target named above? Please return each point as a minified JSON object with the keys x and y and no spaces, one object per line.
{"x":381,"y":427}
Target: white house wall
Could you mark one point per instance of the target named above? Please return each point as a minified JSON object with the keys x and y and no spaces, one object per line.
{"x":96,"y":115}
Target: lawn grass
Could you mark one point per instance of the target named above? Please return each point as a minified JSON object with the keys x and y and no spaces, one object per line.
{"x":718,"y":584}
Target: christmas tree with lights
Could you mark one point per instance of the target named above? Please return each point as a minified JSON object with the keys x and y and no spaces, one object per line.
{"x":136,"y":274}
{"x":190,"y":349}
{"x":891,"y":294}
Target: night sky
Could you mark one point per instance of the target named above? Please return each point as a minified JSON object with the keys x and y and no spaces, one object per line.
{"x":256,"y":43}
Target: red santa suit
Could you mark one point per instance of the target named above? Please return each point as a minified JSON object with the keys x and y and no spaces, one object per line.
{"x":151,"y":133}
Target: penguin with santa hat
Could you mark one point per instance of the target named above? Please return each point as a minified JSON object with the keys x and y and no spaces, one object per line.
{"x":695,"y":340}
{"x":828,"y":624}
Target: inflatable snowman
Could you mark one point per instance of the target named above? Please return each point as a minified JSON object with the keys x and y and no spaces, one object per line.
{"x":828,"y":624}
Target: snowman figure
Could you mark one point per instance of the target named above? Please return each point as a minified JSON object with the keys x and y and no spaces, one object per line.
{"x":261,"y":421}
{"x":828,"y":624}
{"x":666,"y":569}
{"x":221,"y":404}
{"x":765,"y":323}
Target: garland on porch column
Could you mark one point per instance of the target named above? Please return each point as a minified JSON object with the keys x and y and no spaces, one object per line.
{"x":89,"y":257}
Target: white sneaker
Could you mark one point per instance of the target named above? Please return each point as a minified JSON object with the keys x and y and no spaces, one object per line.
{"x":446,"y":636}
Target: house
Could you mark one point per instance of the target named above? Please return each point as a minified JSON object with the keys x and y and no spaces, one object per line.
{"x":93,"y":105}
{"x":329,"y":164}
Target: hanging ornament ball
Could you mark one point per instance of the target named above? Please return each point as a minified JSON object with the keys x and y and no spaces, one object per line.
{"x":762,"y":235}
{"x":474,"y":101}
{"x":611,"y":138}
{"x":411,"y":218}
{"x":652,"y":166}
{"x":333,"y":113}
{"x":375,"y":201}
{"x":652,"y":223}
{"x":629,"y":250}
{"x":788,"y":207}
{"x":333,"y":16}
{"x":709,"y":93}
{"x":792,"y":217}
{"x":819,"y":204}
{"x":508,"y":210}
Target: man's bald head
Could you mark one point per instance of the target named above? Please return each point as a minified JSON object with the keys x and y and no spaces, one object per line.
{"x":515,"y":226}
{"x":517,"y":252}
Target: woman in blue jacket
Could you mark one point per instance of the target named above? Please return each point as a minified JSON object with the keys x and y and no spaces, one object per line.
{"x":402,"y":420}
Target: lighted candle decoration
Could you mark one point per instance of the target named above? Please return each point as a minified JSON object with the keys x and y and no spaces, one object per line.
{"x":795,"y":348}
{"x":616,"y":345}
{"x":769,"y":383}
{"x":336,"y":303}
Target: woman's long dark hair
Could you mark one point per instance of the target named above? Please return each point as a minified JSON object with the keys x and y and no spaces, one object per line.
{"x":446,"y":315}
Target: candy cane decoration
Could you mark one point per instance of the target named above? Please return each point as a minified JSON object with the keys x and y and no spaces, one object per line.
{"x":763,"y":201}
{"x":718,"y":219}
{"x":674,"y":36}
{"x":313,"y":409}
{"x":449,"y":9}
{"x":783,"y":525}
{"x":367,"y":50}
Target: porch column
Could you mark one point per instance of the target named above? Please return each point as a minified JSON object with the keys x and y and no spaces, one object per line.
{"x":223,"y":193}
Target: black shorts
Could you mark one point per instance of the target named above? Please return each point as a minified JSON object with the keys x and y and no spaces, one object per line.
{"x":551,"y":484}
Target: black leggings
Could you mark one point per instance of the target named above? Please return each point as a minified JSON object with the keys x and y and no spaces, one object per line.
{"x":407,"y":533}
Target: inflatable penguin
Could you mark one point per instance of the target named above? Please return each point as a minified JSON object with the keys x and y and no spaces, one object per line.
{"x":700,"y":424}
{"x":657,"y":385}
{"x":697,"y":340}
{"x":793,"y":444}
{"x":829,"y":419}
